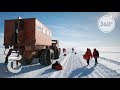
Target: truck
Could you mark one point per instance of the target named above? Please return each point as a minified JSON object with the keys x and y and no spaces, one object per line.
{"x":29,"y":38}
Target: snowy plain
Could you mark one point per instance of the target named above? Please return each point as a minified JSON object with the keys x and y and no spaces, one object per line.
{"x":111,"y":55}
{"x":74,"y":66}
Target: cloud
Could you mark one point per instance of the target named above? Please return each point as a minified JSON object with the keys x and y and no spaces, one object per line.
{"x":114,"y":14}
{"x":91,"y":43}
{"x":75,"y":35}
{"x":54,"y":38}
{"x":78,"y":46}
{"x":70,"y":31}
{"x":67,"y":44}
{"x":85,"y":33}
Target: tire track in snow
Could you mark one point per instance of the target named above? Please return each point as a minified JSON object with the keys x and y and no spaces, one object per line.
{"x":108,"y":71}
{"x":98,"y":69}
{"x":58,"y":74}
{"x":82,"y":64}
{"x":103,"y":70}
{"x":96,"y":73}
{"x":39,"y":73}
{"x":73,"y":68}
{"x":47,"y":73}
{"x":86,"y":71}
{"x":110,"y":60}
{"x":113,"y":73}
{"x":32,"y":73}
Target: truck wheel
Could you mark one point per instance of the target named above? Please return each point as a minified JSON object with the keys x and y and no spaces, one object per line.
{"x":52,"y":54}
{"x":45,"y":57}
{"x":57,"y":54}
{"x":42,"y":58}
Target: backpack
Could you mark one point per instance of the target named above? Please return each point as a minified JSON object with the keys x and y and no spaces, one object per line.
{"x":97,"y":53}
{"x":57,"y":66}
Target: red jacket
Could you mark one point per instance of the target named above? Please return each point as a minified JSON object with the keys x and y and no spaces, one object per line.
{"x":57,"y":67}
{"x":64,"y":50}
{"x":87,"y":55}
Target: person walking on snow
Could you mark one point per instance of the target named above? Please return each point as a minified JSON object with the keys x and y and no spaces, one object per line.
{"x":72,"y":49}
{"x":88,"y":55}
{"x":96,"y":55}
{"x":64,"y":50}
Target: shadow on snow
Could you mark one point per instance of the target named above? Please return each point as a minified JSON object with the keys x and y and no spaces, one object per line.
{"x":4,"y":73}
{"x":50,"y":70}
{"x":81,"y":72}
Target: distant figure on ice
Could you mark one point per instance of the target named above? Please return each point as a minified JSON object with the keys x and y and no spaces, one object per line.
{"x":59,"y":49}
{"x":72,"y":50}
{"x":57,"y":66}
{"x":96,"y":55}
{"x":88,"y":55}
{"x":64,"y":50}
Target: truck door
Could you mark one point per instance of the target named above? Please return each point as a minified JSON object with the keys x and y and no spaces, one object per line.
{"x":18,"y":36}
{"x":15,"y":35}
{"x":21,"y":34}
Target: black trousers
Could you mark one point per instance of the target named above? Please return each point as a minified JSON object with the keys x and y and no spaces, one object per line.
{"x":96,"y":62}
{"x":88,"y":61}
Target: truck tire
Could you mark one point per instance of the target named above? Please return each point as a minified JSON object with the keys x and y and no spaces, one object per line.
{"x":45,"y":57}
{"x":52,"y":54}
{"x":57,"y":54}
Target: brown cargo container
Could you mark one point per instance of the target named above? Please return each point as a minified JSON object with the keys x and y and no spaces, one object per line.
{"x":29,"y":37}
{"x":34,"y":33}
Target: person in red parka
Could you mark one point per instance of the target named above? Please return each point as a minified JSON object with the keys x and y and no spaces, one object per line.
{"x":72,"y":50}
{"x":57,"y":66}
{"x":87,"y":55}
{"x":96,"y":55}
{"x":64,"y":50}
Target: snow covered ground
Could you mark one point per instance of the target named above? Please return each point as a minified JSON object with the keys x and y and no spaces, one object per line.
{"x":2,"y":50}
{"x":111,"y":55}
{"x":74,"y":66}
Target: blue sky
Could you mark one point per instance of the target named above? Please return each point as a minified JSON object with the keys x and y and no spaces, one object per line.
{"x":72,"y":28}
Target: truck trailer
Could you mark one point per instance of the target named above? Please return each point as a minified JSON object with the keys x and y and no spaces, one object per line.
{"x":29,"y":38}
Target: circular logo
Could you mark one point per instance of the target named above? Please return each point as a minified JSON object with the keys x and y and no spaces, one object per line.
{"x":106,"y":23}
{"x":14,"y":65}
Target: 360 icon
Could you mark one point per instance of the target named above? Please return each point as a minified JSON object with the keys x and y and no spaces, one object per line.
{"x":106,"y":23}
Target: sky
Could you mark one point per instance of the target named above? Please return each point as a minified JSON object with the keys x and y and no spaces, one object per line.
{"x":72,"y":29}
